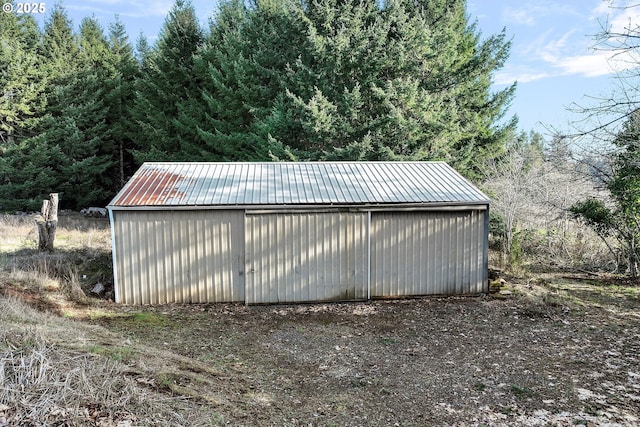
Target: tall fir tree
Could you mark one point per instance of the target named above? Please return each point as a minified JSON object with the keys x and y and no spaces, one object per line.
{"x":30,"y":166}
{"x":21,"y":77}
{"x":405,"y":81}
{"x":329,"y":79}
{"x":76,"y":121}
{"x":241,"y":66}
{"x":122,"y":71}
{"x":167,"y":79}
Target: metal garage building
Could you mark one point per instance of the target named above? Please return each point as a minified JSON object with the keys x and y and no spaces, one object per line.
{"x":293,"y":232}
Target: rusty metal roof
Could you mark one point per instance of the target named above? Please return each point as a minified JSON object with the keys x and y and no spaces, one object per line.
{"x":296,"y":183}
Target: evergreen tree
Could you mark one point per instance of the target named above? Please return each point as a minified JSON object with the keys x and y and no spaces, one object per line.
{"x":21,"y":77}
{"x":122,"y":72}
{"x":76,"y":122}
{"x":60,"y":48}
{"x":241,"y":66}
{"x":625,"y":188}
{"x":29,"y":165}
{"x":329,"y":79}
{"x":167,"y":78}
{"x":410,"y":80}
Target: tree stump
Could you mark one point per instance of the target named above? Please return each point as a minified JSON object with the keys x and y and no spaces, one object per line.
{"x":47,"y":223}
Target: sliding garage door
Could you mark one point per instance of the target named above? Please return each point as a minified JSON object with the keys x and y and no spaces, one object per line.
{"x":310,"y":256}
{"x":427,"y":253}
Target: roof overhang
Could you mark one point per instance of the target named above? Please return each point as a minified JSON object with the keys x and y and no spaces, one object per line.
{"x":314,"y":208}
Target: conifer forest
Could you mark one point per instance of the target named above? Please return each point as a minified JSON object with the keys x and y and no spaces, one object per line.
{"x":267,"y":81}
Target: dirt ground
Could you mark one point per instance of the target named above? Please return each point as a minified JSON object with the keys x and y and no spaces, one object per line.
{"x":547,"y":354}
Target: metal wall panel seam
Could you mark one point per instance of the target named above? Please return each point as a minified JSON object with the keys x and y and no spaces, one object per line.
{"x":368,"y":255}
{"x":485,"y":266}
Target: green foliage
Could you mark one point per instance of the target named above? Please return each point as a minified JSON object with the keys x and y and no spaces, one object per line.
{"x":167,"y":78}
{"x":406,"y":81}
{"x":595,"y":214}
{"x":122,"y":70}
{"x":21,"y":83}
{"x":622,"y":219}
{"x":241,"y":66}
{"x":69,"y":131}
{"x":353,"y":80}
{"x":269,"y":80}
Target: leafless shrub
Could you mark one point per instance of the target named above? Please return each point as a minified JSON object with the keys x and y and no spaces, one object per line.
{"x":532,"y":191}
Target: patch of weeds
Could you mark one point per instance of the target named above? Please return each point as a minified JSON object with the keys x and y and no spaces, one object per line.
{"x":522,"y":392}
{"x":97,"y":314}
{"x":147,"y":318}
{"x":123,"y":354}
{"x":217,"y":419}
{"x":387,"y":341}
{"x":119,"y":354}
{"x":479,"y":386}
{"x":340,"y":408}
{"x":98,"y":349}
{"x":166,"y":381}
{"x":580,"y":422}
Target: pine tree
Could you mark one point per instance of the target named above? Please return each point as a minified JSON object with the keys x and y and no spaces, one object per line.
{"x":330,"y":79}
{"x":167,"y":79}
{"x":241,"y":66}
{"x":21,"y":77}
{"x":122,"y":72}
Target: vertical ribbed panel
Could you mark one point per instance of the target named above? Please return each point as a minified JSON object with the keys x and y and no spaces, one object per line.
{"x":315,"y":256}
{"x":179,"y":256}
{"x":427,"y":253}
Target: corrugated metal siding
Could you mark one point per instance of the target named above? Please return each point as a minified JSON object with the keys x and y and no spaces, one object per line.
{"x":179,"y":256}
{"x":296,"y":183}
{"x":427,"y":253}
{"x":294,"y":257}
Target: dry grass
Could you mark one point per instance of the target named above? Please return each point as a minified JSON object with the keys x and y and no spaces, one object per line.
{"x":81,"y":258}
{"x":56,"y":371}
{"x":51,"y":374}
{"x":74,"y":232}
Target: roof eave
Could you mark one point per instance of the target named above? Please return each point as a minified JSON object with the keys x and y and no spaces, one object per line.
{"x":480,"y":204}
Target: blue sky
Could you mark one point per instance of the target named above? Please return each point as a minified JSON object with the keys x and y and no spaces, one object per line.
{"x":552,"y":57}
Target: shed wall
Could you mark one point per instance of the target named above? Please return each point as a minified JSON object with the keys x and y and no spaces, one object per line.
{"x":314,"y":256}
{"x":427,"y":253}
{"x":179,"y":256}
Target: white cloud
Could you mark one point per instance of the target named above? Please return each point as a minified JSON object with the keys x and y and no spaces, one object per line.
{"x":594,"y":65}
{"x":572,"y":52}
{"x":538,"y":12}
{"x":519,"y":16}
{"x":524,"y":75}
